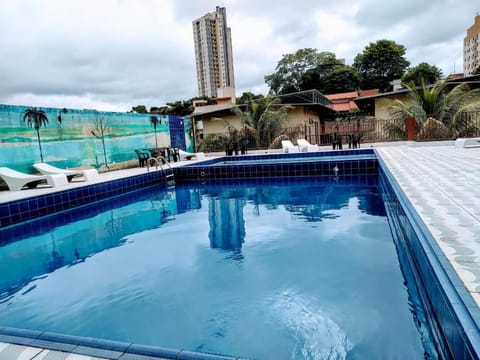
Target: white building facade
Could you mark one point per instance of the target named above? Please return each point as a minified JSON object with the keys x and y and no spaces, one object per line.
{"x":471,"y":48}
{"x":213,"y":53}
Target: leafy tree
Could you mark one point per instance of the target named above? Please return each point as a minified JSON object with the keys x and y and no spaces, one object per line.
{"x":163,"y":110}
{"x":263,"y":118}
{"x":155,"y":121}
{"x":380,"y":63}
{"x":429,"y":73}
{"x":308,"y":69}
{"x":343,"y":78}
{"x":141,"y":109}
{"x":436,"y":108}
{"x":36,"y":118}
{"x":180,"y":108}
{"x":247,"y":97}
{"x":301,"y":71}
{"x":476,"y":71}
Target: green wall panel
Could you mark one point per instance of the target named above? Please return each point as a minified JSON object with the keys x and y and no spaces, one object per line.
{"x":67,"y":140}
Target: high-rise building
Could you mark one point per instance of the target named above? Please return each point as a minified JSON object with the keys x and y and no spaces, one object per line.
{"x":213,"y":55}
{"x":471,"y":48}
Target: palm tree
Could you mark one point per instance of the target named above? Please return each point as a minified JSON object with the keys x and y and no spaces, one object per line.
{"x":435,"y":107}
{"x":264,"y":117}
{"x":36,"y":118}
{"x":155,"y":121}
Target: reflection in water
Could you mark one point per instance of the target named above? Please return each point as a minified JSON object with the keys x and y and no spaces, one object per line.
{"x":57,"y":242}
{"x":57,"y":259}
{"x":227,"y":226}
{"x":187,"y":198}
{"x":76,"y":235}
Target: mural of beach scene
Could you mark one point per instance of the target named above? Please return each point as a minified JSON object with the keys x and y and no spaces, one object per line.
{"x":72,"y":138}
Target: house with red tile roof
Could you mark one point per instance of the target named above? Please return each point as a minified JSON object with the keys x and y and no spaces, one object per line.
{"x":344,"y":102}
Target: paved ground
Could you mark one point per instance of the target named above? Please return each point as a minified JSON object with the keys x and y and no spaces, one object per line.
{"x":10,"y":352}
{"x":442,"y":183}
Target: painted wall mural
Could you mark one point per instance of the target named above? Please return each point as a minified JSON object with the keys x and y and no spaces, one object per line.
{"x":73,"y":137}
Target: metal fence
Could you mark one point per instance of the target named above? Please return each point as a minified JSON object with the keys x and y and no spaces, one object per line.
{"x":371,"y":130}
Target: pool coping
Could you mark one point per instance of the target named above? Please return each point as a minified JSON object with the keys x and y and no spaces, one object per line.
{"x":107,"y":349}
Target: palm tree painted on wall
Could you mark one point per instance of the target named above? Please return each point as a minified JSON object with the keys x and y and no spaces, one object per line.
{"x":36,"y":118}
{"x":155,"y":121}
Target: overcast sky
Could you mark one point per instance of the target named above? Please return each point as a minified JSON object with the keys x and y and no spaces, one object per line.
{"x":114,"y":54}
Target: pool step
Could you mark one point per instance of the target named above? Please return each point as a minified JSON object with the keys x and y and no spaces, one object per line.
{"x":170,"y":180}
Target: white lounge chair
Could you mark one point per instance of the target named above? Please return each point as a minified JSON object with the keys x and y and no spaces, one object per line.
{"x":16,"y":180}
{"x":288,"y":147}
{"x":305,"y":146}
{"x":184,"y":155}
{"x":467,"y":142}
{"x":47,"y":169}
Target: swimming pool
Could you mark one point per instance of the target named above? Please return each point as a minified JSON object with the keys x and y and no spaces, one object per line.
{"x":300,"y":269}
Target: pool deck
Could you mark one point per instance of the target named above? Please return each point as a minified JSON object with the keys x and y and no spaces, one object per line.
{"x":443,"y":185}
{"x":441,"y":181}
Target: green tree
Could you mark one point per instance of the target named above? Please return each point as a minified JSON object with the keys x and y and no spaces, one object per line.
{"x":155,"y":121}
{"x":263,"y":118}
{"x":342,"y":78}
{"x":180,"y":108}
{"x":162,"y":110}
{"x":380,"y":63}
{"x":247,"y":97}
{"x":437,"y":109}
{"x":476,"y":71}
{"x":36,"y":118}
{"x":301,"y":71}
{"x":141,"y":109}
{"x":429,"y":73}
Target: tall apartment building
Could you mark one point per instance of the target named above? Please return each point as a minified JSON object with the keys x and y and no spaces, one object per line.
{"x":471,"y":48}
{"x":213,"y":55}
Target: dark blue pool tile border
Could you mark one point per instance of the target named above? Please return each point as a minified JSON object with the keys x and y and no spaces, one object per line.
{"x":303,"y":155}
{"x":39,"y":225}
{"x":208,"y":169}
{"x":18,"y":211}
{"x":451,"y":313}
{"x":107,"y":349}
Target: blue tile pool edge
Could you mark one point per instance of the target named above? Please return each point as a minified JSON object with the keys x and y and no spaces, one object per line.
{"x":352,"y":166}
{"x":22,"y":210}
{"x":108,"y":349}
{"x":453,"y":315}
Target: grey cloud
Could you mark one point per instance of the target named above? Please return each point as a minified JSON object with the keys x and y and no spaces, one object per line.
{"x":377,"y":14}
{"x":141,"y":59}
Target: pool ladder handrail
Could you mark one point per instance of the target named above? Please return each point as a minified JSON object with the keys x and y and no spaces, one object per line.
{"x":160,"y":161}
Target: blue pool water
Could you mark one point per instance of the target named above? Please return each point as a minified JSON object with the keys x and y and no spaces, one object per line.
{"x":276,"y":269}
